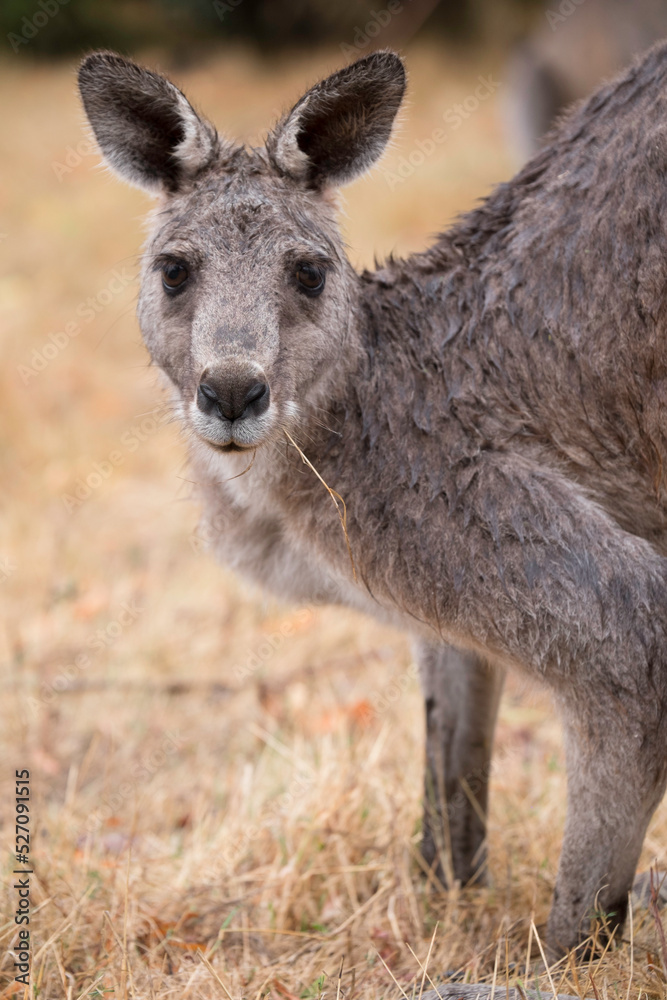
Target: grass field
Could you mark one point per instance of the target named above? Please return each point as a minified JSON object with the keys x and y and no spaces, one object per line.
{"x":225,"y":790}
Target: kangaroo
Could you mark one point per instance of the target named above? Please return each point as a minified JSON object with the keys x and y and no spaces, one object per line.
{"x":491,"y":411}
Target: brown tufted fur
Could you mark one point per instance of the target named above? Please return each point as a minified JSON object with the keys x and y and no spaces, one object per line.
{"x":491,"y":410}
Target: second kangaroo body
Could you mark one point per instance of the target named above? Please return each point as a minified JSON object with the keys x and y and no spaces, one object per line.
{"x":493,"y":412}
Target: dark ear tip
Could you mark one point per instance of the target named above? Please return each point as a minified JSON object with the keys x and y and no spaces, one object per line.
{"x":383,"y":64}
{"x":385,"y":59}
{"x":102,"y":59}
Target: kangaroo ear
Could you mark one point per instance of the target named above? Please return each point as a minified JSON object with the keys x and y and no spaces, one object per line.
{"x":147,"y":130}
{"x":342,"y":125}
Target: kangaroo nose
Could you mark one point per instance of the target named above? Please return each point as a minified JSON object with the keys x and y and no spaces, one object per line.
{"x":233,"y":399}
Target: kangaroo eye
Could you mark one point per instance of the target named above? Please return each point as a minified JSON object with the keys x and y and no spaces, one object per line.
{"x":311,"y":278}
{"x":173,"y":276}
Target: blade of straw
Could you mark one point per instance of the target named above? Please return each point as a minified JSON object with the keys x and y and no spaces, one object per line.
{"x":335,"y":498}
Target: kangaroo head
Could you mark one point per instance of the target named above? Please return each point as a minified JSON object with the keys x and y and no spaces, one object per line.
{"x":247,"y":296}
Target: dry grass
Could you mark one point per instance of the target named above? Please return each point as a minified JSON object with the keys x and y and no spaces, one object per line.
{"x":217,"y":806}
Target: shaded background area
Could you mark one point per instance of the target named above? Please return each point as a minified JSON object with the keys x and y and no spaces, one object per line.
{"x":190,"y":27}
{"x":213,"y":771}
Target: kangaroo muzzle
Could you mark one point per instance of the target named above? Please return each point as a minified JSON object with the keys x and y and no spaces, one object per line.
{"x":231,"y":406}
{"x":231,"y":398}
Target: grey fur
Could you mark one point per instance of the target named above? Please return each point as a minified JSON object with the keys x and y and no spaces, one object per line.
{"x":491,"y":410}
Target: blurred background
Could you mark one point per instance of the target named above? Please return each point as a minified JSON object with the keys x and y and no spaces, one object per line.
{"x":190,"y":28}
{"x":215,"y":773}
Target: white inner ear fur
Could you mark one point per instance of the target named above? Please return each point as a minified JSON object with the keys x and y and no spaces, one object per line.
{"x":286,"y":153}
{"x":199,"y":143}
